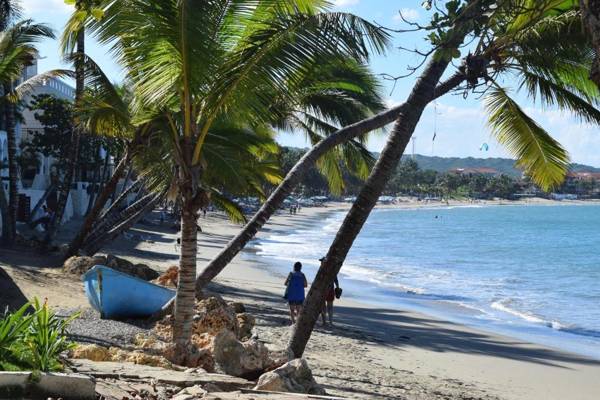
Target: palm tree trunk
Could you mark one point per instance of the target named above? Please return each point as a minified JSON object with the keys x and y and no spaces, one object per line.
{"x":125,"y":223}
{"x":590,"y":14}
{"x":3,"y":210}
{"x":13,"y":170}
{"x":112,"y":220}
{"x":120,"y":200}
{"x":75,"y":140}
{"x":92,"y":217}
{"x":422,"y":94}
{"x":217,"y":264}
{"x":95,"y":181}
{"x":186,"y":291}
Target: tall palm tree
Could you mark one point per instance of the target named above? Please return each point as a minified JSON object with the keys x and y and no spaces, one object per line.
{"x":590,"y":13}
{"x":194,"y":60}
{"x":73,"y":49}
{"x":541,"y":43}
{"x":17,"y":51}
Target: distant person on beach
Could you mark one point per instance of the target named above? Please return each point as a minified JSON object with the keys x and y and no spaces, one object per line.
{"x":294,"y":292}
{"x":329,"y":299}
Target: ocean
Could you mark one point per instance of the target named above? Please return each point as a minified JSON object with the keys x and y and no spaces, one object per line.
{"x":531,"y":272}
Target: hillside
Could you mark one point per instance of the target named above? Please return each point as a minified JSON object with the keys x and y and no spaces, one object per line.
{"x":503,"y":165}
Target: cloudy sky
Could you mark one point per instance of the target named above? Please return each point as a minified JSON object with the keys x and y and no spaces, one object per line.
{"x":460,"y":123}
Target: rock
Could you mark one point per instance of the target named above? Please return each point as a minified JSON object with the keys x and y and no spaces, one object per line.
{"x":80,"y":265}
{"x":190,"y":393}
{"x":91,"y":352}
{"x":169,"y":277}
{"x":244,"y":359}
{"x":294,"y":376}
{"x":141,"y":271}
{"x":213,"y":315}
{"x":237,"y":307}
{"x":245,"y":323}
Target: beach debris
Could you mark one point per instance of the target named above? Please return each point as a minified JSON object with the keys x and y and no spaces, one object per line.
{"x":169,"y":277}
{"x":243,"y":359}
{"x":294,"y":376}
{"x":79,"y":265}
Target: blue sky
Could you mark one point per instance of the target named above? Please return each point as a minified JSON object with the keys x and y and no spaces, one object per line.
{"x":460,"y":122}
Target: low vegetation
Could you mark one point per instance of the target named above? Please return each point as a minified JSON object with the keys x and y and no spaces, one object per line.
{"x":33,"y":338}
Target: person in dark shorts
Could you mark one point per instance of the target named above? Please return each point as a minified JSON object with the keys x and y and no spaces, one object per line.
{"x":329,"y":299}
{"x":295,"y":283}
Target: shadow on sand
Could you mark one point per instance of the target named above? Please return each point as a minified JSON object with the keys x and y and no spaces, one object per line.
{"x":397,"y":328}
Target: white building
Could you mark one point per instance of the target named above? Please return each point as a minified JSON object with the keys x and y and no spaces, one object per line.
{"x":39,"y":180}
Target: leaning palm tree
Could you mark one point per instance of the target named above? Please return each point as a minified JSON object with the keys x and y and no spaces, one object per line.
{"x":590,"y":14}
{"x":17,"y":50}
{"x":196,"y":61}
{"x":542,"y":43}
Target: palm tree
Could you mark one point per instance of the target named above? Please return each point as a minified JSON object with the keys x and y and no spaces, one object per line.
{"x":195,"y":61}
{"x":73,"y":48}
{"x":523,"y":40}
{"x":17,"y":51}
{"x":590,"y":14}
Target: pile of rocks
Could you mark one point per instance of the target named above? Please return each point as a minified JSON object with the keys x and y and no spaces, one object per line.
{"x":77,"y":265}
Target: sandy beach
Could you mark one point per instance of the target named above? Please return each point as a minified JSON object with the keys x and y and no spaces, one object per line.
{"x":371,"y":352}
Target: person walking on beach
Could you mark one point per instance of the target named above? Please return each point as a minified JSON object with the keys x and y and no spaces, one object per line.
{"x":294,"y":293}
{"x":329,"y":299}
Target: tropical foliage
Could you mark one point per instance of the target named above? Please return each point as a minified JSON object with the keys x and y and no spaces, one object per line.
{"x":33,"y":338}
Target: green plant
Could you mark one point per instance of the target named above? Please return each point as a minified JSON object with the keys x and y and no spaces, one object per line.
{"x":12,"y":328}
{"x":46,"y":338}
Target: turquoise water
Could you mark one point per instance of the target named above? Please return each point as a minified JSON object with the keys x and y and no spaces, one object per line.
{"x":527,"y":271}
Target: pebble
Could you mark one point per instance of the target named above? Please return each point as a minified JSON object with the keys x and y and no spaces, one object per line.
{"x":90,"y":328}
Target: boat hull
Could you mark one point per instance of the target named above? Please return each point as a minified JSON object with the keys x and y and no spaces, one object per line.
{"x":116,"y":295}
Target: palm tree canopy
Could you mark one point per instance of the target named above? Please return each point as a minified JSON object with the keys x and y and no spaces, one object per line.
{"x":542,"y":45}
{"x":204,"y":58}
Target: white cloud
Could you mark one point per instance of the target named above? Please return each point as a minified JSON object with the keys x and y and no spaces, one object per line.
{"x":345,"y":3}
{"x":409,"y":14}
{"x":45,"y":6}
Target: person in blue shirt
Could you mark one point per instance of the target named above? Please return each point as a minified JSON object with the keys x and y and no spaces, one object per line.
{"x":295,"y":284}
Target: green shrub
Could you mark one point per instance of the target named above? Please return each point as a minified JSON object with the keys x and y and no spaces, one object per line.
{"x":33,"y":341}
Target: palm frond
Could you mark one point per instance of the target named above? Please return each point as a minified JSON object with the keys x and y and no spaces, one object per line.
{"x":540,"y":156}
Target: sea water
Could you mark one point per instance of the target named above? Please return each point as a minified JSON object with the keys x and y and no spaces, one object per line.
{"x":527,"y":271}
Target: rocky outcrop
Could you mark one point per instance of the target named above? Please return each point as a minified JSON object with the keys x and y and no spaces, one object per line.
{"x":80,"y":265}
{"x":91,"y":352}
{"x":294,"y":376}
{"x":98,"y":353}
{"x":213,"y":315}
{"x":246,"y":323}
{"x":244,"y":359}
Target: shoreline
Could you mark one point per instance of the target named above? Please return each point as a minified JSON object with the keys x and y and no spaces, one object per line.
{"x":373,"y":352}
{"x":517,"y":325}
{"x":412,"y":341}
